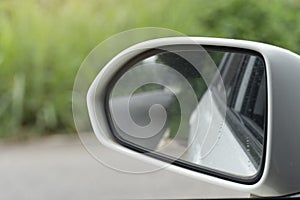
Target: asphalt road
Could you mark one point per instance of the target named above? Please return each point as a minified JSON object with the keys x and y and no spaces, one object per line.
{"x":58,"y":167}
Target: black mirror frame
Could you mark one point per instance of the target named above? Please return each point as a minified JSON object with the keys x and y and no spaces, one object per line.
{"x":166,"y":158}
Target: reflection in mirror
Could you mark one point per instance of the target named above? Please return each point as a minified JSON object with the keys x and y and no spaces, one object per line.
{"x":206,"y":108}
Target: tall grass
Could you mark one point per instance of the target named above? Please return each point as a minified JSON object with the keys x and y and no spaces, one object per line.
{"x":42,"y":44}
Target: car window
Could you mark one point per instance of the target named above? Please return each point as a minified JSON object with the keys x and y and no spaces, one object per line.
{"x":246,"y":100}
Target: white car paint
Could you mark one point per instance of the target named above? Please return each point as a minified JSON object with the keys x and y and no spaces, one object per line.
{"x":216,"y":148}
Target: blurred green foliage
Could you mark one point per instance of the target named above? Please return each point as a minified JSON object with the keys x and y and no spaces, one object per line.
{"x":42,"y":44}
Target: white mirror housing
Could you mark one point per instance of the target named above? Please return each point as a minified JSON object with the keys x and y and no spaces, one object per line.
{"x":280,"y":170}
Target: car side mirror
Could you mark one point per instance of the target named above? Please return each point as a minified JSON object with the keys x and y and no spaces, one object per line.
{"x":224,"y":111}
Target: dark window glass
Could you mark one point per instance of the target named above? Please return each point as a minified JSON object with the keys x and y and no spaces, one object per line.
{"x":244,"y":80}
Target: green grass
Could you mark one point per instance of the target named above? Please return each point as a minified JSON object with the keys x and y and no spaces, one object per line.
{"x":42,"y":44}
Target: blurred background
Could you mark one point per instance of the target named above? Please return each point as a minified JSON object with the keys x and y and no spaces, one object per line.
{"x":43,"y":43}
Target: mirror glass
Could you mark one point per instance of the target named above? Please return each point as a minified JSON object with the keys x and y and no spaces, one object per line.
{"x":204,"y":108}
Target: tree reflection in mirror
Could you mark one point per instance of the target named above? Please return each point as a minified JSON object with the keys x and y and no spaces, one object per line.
{"x":204,"y":108}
